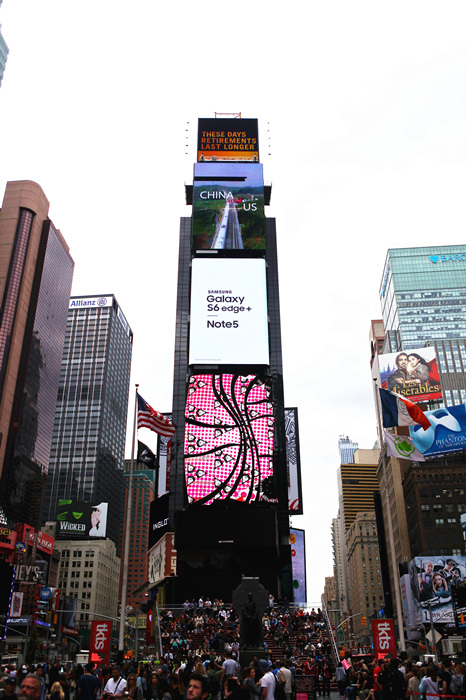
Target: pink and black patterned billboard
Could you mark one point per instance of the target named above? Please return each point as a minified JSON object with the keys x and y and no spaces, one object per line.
{"x":229,"y":435}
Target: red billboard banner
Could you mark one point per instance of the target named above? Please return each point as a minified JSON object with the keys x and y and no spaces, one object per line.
{"x":383,"y":633}
{"x":44,"y":542}
{"x":99,"y":648}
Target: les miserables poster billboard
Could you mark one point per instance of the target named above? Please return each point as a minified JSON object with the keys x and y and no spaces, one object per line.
{"x":411,"y":373}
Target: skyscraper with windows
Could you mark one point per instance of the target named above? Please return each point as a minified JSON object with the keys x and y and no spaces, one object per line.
{"x":87,"y":455}
{"x":36,"y":271}
{"x":423,"y":300}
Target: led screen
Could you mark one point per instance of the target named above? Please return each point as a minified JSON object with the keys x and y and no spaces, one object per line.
{"x":229,"y":323}
{"x":298,"y":564}
{"x":80,"y":519}
{"x":446,"y":433}
{"x":228,"y":206}
{"x":430,"y":579}
{"x":227,"y":139}
{"x":411,"y":373}
{"x":229,"y":439}
{"x":293,"y":462}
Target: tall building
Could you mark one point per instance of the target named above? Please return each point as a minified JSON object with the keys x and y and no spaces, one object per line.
{"x":143,"y":492}
{"x":228,"y":363}
{"x":356,"y":485}
{"x":89,"y":572}
{"x":347,"y":449}
{"x":36,"y":272}
{"x":89,"y":431}
{"x":3,"y":52}
{"x":423,"y":296}
{"x":364,"y":570}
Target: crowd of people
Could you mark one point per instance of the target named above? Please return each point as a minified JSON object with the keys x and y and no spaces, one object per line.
{"x":200,"y":661}
{"x":392,"y":679}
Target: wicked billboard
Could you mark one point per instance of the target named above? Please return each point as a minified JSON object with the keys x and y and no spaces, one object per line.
{"x":227,"y":139}
{"x":411,"y":373}
{"x":80,"y":520}
{"x":228,"y":206}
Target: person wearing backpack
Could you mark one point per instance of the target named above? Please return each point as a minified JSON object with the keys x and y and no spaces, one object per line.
{"x":444,"y":677}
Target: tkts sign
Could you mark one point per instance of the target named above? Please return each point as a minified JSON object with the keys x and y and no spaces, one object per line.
{"x":383,"y":633}
{"x":99,"y":649}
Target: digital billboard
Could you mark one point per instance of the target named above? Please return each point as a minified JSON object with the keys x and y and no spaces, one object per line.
{"x":447,"y":431}
{"x":298,"y":564}
{"x":229,"y":322}
{"x":228,"y":206}
{"x":79,"y":520}
{"x":164,"y":446}
{"x":411,"y":373}
{"x":293,"y":462}
{"x":158,"y":522}
{"x":227,"y":139}
{"x":229,"y":432}
{"x":430,"y":587}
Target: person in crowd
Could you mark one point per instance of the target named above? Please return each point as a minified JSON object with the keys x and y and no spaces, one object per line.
{"x":116,"y":685}
{"x":56,"y":692}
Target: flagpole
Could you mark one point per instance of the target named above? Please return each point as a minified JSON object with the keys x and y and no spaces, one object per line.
{"x":124,"y":582}
{"x":391,"y":539}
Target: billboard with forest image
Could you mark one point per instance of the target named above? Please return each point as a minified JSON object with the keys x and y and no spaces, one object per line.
{"x":228,"y":206}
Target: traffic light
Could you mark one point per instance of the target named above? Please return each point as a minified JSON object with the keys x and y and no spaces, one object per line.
{"x":363,"y":621}
{"x":344,"y":625}
{"x":461,"y":618}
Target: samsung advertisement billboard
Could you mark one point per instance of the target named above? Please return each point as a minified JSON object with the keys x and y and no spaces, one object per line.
{"x":81,"y":520}
{"x":228,"y":207}
{"x":229,"y":322}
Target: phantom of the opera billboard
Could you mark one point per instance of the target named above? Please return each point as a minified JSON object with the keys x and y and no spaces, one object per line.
{"x":229,"y":432}
{"x":446,"y":433}
{"x":227,"y":139}
{"x":79,"y":520}
{"x":411,"y":373}
{"x":229,"y":321}
{"x":228,"y":206}
{"x":430,"y":580}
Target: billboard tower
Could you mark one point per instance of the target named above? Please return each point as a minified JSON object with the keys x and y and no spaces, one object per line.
{"x":229,"y":500}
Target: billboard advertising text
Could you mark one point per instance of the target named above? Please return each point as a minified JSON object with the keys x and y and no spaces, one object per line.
{"x":383,"y":633}
{"x":298,"y":564}
{"x":446,"y":433}
{"x":229,"y":439}
{"x":229,"y":322}
{"x":293,"y":462}
{"x":158,"y":523}
{"x":227,"y":139}
{"x":79,"y":520}
{"x":430,"y":586}
{"x":411,"y":373}
{"x":228,"y":206}
{"x":99,"y":648}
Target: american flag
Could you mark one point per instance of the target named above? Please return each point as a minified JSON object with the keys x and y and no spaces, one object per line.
{"x":149,"y":418}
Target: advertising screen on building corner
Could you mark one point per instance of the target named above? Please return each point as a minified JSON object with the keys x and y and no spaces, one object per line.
{"x":80,"y":520}
{"x":229,"y":322}
{"x":227,"y":139}
{"x":228,"y":207}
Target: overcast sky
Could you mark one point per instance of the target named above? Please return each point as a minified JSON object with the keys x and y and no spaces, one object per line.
{"x":362,"y":117}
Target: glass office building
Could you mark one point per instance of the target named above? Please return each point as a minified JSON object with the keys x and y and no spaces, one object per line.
{"x":36,"y":271}
{"x":423,"y":295}
{"x":88,"y":441}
